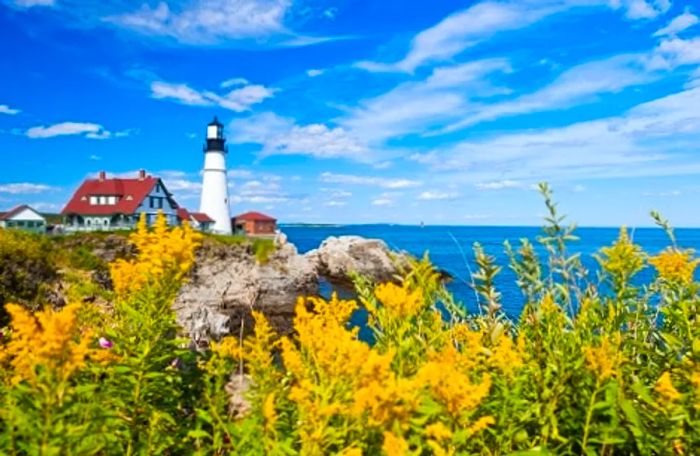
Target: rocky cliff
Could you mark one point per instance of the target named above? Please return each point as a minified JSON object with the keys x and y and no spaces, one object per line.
{"x":227,"y":282}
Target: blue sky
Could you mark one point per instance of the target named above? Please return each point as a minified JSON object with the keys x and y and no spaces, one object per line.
{"x":362,"y":111}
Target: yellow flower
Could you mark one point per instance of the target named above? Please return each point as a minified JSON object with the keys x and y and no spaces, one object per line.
{"x":161,"y":253}
{"x":51,"y":339}
{"x":605,"y":359}
{"x":351,"y":452}
{"x":438,"y":431}
{"x":623,"y":259}
{"x":481,"y":424}
{"x":675,"y":265}
{"x":450,"y":385}
{"x":665,"y":388}
{"x":399,"y":301}
{"x":505,"y":356}
{"x":394,"y":445}
{"x":695,"y":380}
{"x":228,"y":347}
{"x":268,"y":411}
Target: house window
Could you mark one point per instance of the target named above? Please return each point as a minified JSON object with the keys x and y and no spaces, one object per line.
{"x":160,"y":203}
{"x":151,"y":202}
{"x":93,"y":200}
{"x":111,"y":200}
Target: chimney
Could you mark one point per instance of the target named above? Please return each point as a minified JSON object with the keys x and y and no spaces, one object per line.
{"x":142,"y":174}
{"x":102,"y":176}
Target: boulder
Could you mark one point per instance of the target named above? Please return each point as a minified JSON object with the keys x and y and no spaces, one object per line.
{"x":227,"y":283}
{"x":337,"y":257}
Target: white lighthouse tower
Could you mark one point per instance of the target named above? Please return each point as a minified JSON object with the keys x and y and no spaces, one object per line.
{"x":215,"y":184}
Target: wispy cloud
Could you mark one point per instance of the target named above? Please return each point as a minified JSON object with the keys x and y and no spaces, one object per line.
{"x":5,"y":109}
{"x":414,"y":106}
{"x":24,"y":188}
{"x":679,"y":24}
{"x":499,"y":185}
{"x":434,"y":195}
{"x":312,"y":73}
{"x":282,"y":136}
{"x":580,"y":84}
{"x":32,"y":3}
{"x":239,"y":99}
{"x":208,"y":21}
{"x":85,"y":129}
{"x":384,"y":182}
{"x":652,"y":139}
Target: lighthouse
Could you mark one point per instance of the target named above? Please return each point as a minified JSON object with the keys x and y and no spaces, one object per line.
{"x":214,"y":201}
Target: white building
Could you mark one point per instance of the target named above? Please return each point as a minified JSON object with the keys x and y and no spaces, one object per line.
{"x":23,"y":218}
{"x":215,"y":202}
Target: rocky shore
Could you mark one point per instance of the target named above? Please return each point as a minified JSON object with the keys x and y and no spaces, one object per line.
{"x":227,"y":282}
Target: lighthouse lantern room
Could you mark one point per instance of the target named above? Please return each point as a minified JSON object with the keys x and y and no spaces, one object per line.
{"x":215,"y":202}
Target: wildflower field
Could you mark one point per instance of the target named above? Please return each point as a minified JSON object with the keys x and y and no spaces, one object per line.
{"x":596,"y":364}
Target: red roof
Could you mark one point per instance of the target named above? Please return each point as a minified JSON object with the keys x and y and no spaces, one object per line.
{"x":12,"y":212}
{"x":131,"y":193}
{"x":201,"y":217}
{"x":184,"y":214}
{"x":255,"y":216}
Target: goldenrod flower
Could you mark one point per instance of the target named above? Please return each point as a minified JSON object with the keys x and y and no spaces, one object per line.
{"x":438,"y":431}
{"x":394,"y":445}
{"x":605,"y":359}
{"x":665,"y":387}
{"x":481,"y":424}
{"x":161,"y":252}
{"x":399,"y":301}
{"x":674,"y":265}
{"x":51,"y":339}
{"x":268,"y":411}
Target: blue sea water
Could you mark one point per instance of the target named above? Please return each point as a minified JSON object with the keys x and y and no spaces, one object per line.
{"x":450,"y":249}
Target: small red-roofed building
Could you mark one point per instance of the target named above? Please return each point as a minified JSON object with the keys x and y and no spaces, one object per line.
{"x":117,"y":203}
{"x":197,"y":220}
{"x":254,"y":224}
{"x":23,"y":218}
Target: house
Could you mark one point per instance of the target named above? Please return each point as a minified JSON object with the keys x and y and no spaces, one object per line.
{"x":254,"y":224}
{"x":117,"y":203}
{"x":23,"y":218}
{"x":197,"y":220}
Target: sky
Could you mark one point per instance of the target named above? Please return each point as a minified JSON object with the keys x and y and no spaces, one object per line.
{"x":362,"y":111}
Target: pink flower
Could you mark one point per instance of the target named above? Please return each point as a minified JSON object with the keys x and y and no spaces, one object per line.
{"x":105,"y":343}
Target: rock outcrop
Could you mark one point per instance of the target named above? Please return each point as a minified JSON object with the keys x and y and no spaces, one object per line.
{"x":337,"y":257}
{"x":227,"y":282}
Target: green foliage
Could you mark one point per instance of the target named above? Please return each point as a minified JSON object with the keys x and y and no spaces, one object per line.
{"x":27,"y":268}
{"x":263,"y":248}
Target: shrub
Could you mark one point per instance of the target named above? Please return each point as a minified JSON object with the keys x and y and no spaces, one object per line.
{"x":26,"y":268}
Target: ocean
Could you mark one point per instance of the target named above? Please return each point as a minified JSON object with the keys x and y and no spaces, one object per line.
{"x":450,"y":249}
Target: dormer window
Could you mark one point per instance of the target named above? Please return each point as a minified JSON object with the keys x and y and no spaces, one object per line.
{"x":104,"y":200}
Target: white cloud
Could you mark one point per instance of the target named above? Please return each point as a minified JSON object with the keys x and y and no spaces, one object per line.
{"x":464,"y":29}
{"x":675,"y":52}
{"x":414,"y":106}
{"x":234,"y":82}
{"x":95,"y":157}
{"x":24,"y":188}
{"x":437,"y":195}
{"x":4,"y":109}
{"x":499,"y":185}
{"x":679,"y":24}
{"x":282,"y":136}
{"x":656,"y":138}
{"x":642,"y":9}
{"x":469,"y":27}
{"x":577,"y":85}
{"x":88,"y":130}
{"x":209,"y":21}
{"x":31,"y":3}
{"x":391,"y":183}
{"x":239,"y":99}
{"x":382,"y":202}
{"x":44,"y":206}
{"x":335,"y":203}
{"x":314,"y":72}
